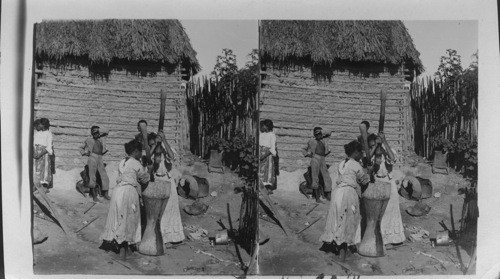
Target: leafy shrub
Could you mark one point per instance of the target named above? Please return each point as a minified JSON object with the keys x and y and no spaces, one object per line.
{"x":239,"y":154}
{"x":442,"y":144}
{"x":462,"y":154}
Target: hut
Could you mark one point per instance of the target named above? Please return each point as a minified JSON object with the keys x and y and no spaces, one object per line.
{"x":111,"y":73}
{"x":330,"y":74}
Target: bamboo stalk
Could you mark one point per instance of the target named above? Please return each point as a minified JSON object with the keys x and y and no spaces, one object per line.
{"x":340,"y":80}
{"x":328,"y":89}
{"x":61,"y":110}
{"x":114,"y":78}
{"x":277,"y":99}
{"x":50,"y":98}
{"x":326,"y":94}
{"x":298,"y":109}
{"x":93,"y":87}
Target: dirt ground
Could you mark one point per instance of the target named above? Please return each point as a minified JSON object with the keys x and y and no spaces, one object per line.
{"x":78,"y":253}
{"x":299,"y":254}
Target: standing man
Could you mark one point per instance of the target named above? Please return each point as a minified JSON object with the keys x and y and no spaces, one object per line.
{"x":317,"y":149}
{"x":94,"y":148}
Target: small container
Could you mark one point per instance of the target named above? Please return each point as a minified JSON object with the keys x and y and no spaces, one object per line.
{"x":221,"y":238}
{"x":442,"y":239}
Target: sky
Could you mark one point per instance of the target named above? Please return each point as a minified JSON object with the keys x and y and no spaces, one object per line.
{"x":209,"y":37}
{"x":431,"y":38}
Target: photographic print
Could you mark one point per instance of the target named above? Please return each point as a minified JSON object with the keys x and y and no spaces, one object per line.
{"x":371,"y":132}
{"x":273,"y":139}
{"x":144,"y":153}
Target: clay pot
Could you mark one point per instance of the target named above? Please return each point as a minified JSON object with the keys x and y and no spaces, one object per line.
{"x":375,"y":200}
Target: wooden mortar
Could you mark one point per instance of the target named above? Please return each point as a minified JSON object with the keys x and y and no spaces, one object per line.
{"x":155,"y":199}
{"x":375,"y":200}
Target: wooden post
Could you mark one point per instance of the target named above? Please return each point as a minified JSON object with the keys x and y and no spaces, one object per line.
{"x":163,"y":99}
{"x":383,"y":97}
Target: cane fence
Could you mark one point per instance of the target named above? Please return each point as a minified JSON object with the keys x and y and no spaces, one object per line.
{"x":223,"y":113}
{"x":442,"y":110}
{"x":219,"y":109}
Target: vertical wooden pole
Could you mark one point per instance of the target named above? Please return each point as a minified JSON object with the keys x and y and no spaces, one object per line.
{"x":163,"y":99}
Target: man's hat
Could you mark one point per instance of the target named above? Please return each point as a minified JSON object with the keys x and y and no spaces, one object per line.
{"x":194,"y":187}
{"x":413,"y":191}
{"x":419,"y":209}
{"x":196,"y":208}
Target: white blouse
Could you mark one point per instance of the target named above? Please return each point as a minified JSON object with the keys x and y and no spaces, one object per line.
{"x":43,"y":138}
{"x":268,"y":140}
{"x":131,"y":172}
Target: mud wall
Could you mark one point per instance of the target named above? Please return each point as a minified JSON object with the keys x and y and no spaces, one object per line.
{"x":74,"y":98}
{"x":296,"y":103}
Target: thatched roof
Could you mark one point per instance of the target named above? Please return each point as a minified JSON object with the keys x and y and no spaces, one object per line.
{"x":328,"y":42}
{"x":104,"y":40}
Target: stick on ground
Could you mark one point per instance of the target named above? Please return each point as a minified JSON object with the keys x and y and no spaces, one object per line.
{"x":308,"y":212}
{"x":472,"y":259}
{"x":54,"y":212}
{"x":121,"y":263}
{"x":89,"y":208}
{"x":313,"y":222}
{"x":45,"y":218}
{"x":87,"y":224}
{"x":267,"y":202}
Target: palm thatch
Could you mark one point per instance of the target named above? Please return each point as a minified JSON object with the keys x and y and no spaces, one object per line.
{"x":328,"y":42}
{"x":101,"y":41}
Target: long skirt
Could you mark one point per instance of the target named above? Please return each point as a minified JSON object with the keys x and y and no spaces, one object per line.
{"x":343,"y":224}
{"x":42,"y":172}
{"x":124,"y":217}
{"x":171,"y":223}
{"x":267,"y":172}
{"x":391,"y":225}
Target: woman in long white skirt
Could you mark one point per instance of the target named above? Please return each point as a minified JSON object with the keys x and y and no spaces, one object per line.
{"x":171,"y":226}
{"x":123,"y":224}
{"x":342,"y":230}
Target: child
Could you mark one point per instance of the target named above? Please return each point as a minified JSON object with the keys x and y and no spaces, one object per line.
{"x":268,"y":153}
{"x":95,"y":148}
{"x":123,"y":225}
{"x":42,"y":141}
{"x":317,"y":149}
{"x":343,"y":229}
